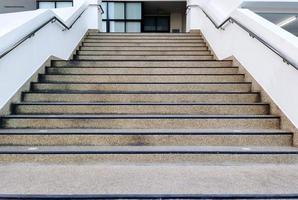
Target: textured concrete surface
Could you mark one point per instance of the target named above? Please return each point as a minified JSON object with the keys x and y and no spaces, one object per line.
{"x":183,"y":139}
{"x":145,"y":87}
{"x":145,"y":70}
{"x":198,"y":109}
{"x":144,"y":52}
{"x":147,"y":57}
{"x":217,"y":155}
{"x":86,"y":78}
{"x":141,"y":121}
{"x":182,"y":41}
{"x":144,"y":97}
{"x":161,"y":48}
{"x":215,"y":63}
{"x":140,"y":44}
{"x":139,"y":178}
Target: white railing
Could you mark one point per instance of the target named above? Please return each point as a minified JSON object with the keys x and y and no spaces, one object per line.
{"x":276,"y":77}
{"x":23,"y":55}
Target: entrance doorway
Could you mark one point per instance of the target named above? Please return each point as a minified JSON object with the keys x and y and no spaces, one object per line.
{"x":156,"y":24}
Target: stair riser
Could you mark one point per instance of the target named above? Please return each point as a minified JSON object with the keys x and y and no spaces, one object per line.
{"x":159,"y":38}
{"x":144,"y":34}
{"x":150,"y":140}
{"x":140,"y":78}
{"x":144,"y":87}
{"x":60,"y":70}
{"x":175,"y":98}
{"x":140,"y":44}
{"x":156,"y":158}
{"x":162,"y":123}
{"x":143,"y":109}
{"x":161,"y":48}
{"x":170,"y":58}
{"x":142,"y":41}
{"x":144,"y":53}
{"x":142,"y":64}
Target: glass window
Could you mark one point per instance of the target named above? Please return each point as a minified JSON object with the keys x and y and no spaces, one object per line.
{"x":122,"y":16}
{"x":46,"y":5}
{"x":133,"y":11}
{"x":162,"y":24}
{"x":116,"y":10}
{"x":63,"y":4}
{"x":149,"y":24}
{"x":133,"y":26}
{"x":117,"y":26}
{"x":104,"y":7}
{"x":104,"y":26}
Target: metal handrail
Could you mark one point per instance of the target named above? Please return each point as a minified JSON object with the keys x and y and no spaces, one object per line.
{"x":52,"y":20}
{"x":251,"y":33}
{"x":101,"y":9}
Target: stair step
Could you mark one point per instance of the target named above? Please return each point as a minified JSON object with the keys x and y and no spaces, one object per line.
{"x":151,"y":154}
{"x":140,"y":44}
{"x":148,"y":181}
{"x":147,"y":57}
{"x":142,"y":37}
{"x":144,"y":34}
{"x":151,"y":137}
{"x":157,"y":48}
{"x":142,"y":121}
{"x":140,"y":70}
{"x":141,"y":108}
{"x":213,"y":63}
{"x":169,"y":78}
{"x":143,"y":53}
{"x":143,"y":40}
{"x":174,"y":97}
{"x":147,"y":87}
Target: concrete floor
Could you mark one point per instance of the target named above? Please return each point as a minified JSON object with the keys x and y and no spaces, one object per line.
{"x":95,"y":178}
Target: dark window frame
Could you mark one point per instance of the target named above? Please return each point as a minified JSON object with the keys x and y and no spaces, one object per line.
{"x":37,"y":3}
{"x":122,"y":20}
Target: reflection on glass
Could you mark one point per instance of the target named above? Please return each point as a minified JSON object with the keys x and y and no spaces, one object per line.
{"x":116,"y":10}
{"x":133,"y":11}
{"x":63,"y":4}
{"x":133,"y":27}
{"x":162,"y":24}
{"x":104,"y":26}
{"x":149,"y":24}
{"x":117,"y":26}
{"x":46,"y":5}
{"x":104,"y":7}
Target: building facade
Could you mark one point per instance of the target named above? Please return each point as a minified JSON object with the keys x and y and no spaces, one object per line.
{"x":120,"y":16}
{"x":147,"y":16}
{"x":8,"y":6}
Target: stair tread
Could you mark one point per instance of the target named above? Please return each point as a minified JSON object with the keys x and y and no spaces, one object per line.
{"x":140,"y":103}
{"x":150,"y":181}
{"x":136,"y":92}
{"x":146,"y":131}
{"x":145,"y":83}
{"x":141,"y":116}
{"x":150,"y":149}
{"x":92,"y":67}
{"x":53,"y":74}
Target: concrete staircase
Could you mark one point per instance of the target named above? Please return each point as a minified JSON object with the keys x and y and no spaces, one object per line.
{"x":144,"y":98}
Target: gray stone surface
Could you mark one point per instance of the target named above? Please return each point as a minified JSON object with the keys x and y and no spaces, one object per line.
{"x":94,"y":178}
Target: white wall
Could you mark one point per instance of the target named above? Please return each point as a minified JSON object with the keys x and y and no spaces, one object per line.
{"x":7,"y":6}
{"x":19,"y":65}
{"x":278,"y":79}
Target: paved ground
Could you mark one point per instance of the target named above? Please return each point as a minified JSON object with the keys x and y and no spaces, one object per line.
{"x":98,"y":178}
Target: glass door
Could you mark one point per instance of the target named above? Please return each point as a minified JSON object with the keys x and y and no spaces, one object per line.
{"x":122,"y":16}
{"x":156,"y":24}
